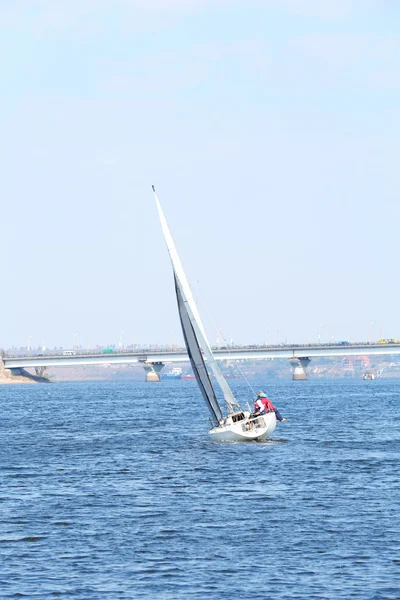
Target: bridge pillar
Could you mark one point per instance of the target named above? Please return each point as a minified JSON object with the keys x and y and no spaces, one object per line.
{"x":4,"y":373}
{"x":153,"y":371}
{"x":299,"y":368}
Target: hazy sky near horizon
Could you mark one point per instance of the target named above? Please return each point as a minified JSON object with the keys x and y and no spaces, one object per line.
{"x":271,"y":131}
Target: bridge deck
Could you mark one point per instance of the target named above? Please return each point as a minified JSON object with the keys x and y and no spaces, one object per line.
{"x":165,"y":356}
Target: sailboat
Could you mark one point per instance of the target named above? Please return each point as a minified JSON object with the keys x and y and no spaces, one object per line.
{"x":236,"y":424}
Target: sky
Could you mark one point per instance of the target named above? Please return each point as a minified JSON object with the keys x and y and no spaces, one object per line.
{"x":270,"y":129}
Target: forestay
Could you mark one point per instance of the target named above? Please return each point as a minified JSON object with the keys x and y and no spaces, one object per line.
{"x":196,"y":359}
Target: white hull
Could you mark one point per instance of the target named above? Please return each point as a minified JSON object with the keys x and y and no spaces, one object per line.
{"x":245,"y":430}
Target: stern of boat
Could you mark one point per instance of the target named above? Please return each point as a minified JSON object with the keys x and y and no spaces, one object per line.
{"x":241,"y":427}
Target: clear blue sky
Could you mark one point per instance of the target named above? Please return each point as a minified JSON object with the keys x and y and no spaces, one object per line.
{"x":271,"y":131}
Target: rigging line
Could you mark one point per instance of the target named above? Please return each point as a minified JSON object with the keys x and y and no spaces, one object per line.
{"x":197,"y":288}
{"x":223,"y":337}
{"x":191,"y":304}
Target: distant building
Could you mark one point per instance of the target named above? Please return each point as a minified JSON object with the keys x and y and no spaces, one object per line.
{"x":355,"y":363}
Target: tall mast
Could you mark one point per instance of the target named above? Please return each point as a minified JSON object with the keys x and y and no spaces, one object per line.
{"x":192,"y":310}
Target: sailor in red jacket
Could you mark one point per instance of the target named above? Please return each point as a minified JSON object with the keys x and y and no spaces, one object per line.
{"x":259,"y":407}
{"x":267,"y":405}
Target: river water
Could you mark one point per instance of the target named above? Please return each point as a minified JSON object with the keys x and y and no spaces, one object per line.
{"x":111,"y":490}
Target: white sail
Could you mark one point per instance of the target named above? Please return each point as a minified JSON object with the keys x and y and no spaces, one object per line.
{"x":197,"y":360}
{"x":192,"y":309}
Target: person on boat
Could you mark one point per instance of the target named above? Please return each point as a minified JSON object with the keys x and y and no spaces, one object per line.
{"x":259,"y":408}
{"x":268,"y":406}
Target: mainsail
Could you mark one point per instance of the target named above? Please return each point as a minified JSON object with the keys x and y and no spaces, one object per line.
{"x":196,"y":359}
{"x":192,"y":311}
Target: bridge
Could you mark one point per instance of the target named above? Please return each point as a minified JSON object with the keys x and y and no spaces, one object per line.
{"x":153,"y":361}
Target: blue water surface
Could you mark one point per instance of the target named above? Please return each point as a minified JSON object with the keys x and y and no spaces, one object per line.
{"x":114,"y":490}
